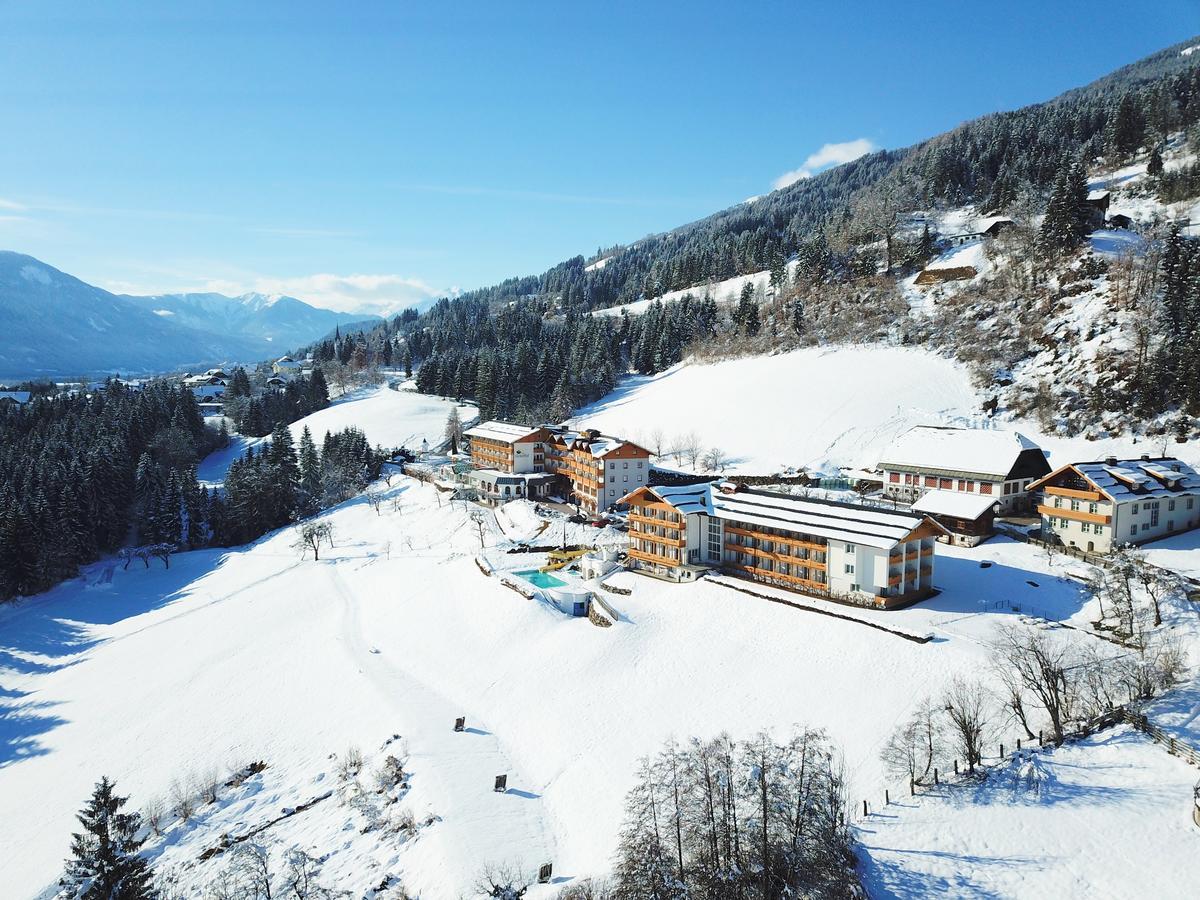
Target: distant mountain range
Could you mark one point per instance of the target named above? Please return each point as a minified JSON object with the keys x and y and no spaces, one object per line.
{"x":53,"y":324}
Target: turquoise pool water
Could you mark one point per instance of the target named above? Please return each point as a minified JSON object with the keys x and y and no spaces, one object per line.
{"x":541,"y":579}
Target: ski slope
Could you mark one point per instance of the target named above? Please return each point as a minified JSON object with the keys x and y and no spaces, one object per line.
{"x":820,"y":408}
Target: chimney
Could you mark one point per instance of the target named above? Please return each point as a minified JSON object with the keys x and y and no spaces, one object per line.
{"x":1110,"y":460}
{"x":1145,"y":457}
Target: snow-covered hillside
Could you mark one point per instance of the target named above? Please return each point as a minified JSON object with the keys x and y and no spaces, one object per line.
{"x":389,"y":418}
{"x":819,"y":408}
{"x":152,"y":676}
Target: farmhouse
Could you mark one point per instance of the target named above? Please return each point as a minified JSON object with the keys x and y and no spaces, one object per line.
{"x":996,"y":464}
{"x":1099,"y":506}
{"x":968,"y":518}
{"x":818,"y":547}
{"x":594,"y":470}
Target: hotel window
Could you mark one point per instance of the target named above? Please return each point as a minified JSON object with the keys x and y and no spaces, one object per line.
{"x":1099,"y":529}
{"x":930,"y":481}
{"x":849,"y":568}
{"x":1133,"y":509}
{"x":985,"y":487}
{"x":1085,"y":527}
{"x":1189,"y":503}
{"x":1075,"y":505}
{"x":1154,"y":516}
{"x":1058,"y":502}
{"x":849,"y":548}
{"x":947,"y":483}
{"x":639,"y":463}
{"x":714,"y":539}
{"x":625,"y":465}
{"x":894,"y":477}
{"x":1133,"y":529}
{"x":1093,"y":507}
{"x":1170,"y":506}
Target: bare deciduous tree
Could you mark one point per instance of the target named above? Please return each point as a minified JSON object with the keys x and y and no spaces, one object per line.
{"x":1043,"y":667}
{"x":966,"y":704}
{"x":310,"y":536}
{"x":915,"y":745}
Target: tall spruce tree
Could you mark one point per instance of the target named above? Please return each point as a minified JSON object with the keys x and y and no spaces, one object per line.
{"x":105,"y":863}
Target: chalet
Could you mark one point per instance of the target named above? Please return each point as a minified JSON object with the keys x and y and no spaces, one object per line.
{"x":968,"y":518}
{"x":941,"y":276}
{"x":1120,"y":220}
{"x":285,"y":365}
{"x":276,"y":381}
{"x":1099,"y":506}
{"x":819,"y":547}
{"x":14,"y":398}
{"x":989,"y":462}
{"x":1097,"y":206}
{"x":594,"y":470}
{"x":508,"y":448}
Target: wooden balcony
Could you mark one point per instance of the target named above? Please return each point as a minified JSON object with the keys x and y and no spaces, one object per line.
{"x":894,"y":580}
{"x":763,"y":536}
{"x":805,"y":583}
{"x":676,"y":524}
{"x":654,"y":558}
{"x":774,"y":556}
{"x":1075,"y":515}
{"x":658,"y":538}
{"x":1091,"y":496}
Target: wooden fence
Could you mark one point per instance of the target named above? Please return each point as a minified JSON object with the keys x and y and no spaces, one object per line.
{"x":1014,"y":747}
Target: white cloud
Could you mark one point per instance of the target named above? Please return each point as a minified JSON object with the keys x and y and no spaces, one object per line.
{"x":10,"y":204}
{"x":828,"y":155}
{"x":379,"y":294}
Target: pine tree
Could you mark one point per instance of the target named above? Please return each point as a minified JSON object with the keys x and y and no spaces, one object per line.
{"x":1154,"y":166}
{"x":309,"y":495}
{"x":105,"y":863}
{"x":1066,"y":222}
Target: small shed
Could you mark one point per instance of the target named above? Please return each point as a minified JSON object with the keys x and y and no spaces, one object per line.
{"x":940,"y":276}
{"x":990,"y":228}
{"x":970,"y":518}
{"x":1120,"y":220}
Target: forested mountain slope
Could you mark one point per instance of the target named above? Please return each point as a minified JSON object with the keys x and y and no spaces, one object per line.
{"x":837,"y":253}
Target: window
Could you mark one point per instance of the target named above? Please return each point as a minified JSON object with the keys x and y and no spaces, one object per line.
{"x":1134,"y":508}
{"x":1170,"y":506}
{"x":985,"y":487}
{"x":1093,"y":507}
{"x":1170,"y":524}
{"x":1099,"y":529}
{"x":1145,"y":526}
{"x":1075,"y":505}
{"x":947,"y":484}
{"x":639,"y":463}
{"x":849,"y":548}
{"x":894,"y":477}
{"x":624,"y":477}
{"x":1063,"y":523}
{"x":930,"y":481}
{"x":849,"y":568}
{"x":1085,"y":527}
{"x":1189,"y":503}
{"x":625,"y":465}
{"x":1058,"y":502}
{"x":1133,"y":529}
{"x":1154,"y":516}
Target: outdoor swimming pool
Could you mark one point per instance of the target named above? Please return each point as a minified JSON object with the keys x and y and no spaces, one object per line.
{"x":541,"y":579}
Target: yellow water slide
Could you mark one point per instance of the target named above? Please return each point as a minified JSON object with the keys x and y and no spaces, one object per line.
{"x":560,"y":558}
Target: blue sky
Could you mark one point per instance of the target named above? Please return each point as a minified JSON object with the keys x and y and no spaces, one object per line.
{"x":376,"y":153}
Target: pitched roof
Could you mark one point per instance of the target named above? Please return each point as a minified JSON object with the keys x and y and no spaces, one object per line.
{"x":687,"y":498}
{"x":982,"y":451}
{"x":1135,"y":479}
{"x":21,"y":397}
{"x":501,"y":431}
{"x":1098,"y":195}
{"x":957,"y":504}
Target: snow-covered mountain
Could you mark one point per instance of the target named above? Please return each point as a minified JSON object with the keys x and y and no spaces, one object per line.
{"x":53,"y":324}
{"x":278,"y":320}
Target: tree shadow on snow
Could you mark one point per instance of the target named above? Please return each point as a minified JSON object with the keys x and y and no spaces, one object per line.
{"x":967,"y":588}
{"x":886,"y":877}
{"x":22,"y":725}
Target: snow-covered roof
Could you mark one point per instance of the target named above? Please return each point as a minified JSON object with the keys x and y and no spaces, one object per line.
{"x":598,"y":445}
{"x":1134,"y":479}
{"x":687,"y":498}
{"x":958,"y":504}
{"x":21,"y":397}
{"x":1098,"y":195}
{"x":866,"y":525}
{"x":501,"y":431}
{"x":981,"y":451}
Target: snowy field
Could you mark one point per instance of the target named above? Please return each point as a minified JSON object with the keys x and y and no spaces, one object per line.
{"x":818,"y":408}
{"x":152,"y":676}
{"x":1109,"y":816}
